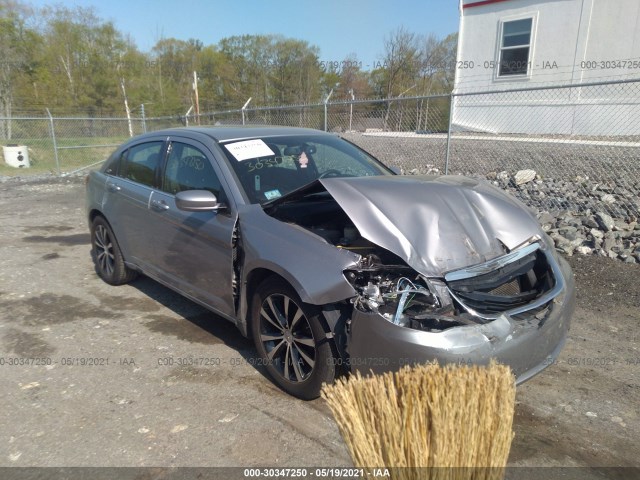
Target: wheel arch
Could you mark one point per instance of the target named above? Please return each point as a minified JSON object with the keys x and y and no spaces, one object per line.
{"x":253,"y":280}
{"x":93,"y":213}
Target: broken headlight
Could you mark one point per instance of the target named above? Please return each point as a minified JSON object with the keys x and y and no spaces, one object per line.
{"x":402,"y":296}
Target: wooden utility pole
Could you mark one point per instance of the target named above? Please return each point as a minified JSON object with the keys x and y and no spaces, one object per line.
{"x":195,"y":91}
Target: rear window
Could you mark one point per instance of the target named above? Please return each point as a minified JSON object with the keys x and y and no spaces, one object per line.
{"x":112,"y":164}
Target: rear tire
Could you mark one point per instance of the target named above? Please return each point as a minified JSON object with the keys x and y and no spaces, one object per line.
{"x":107,"y":255}
{"x":289,"y":337}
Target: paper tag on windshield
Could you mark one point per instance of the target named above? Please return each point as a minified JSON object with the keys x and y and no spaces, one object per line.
{"x":249,"y":149}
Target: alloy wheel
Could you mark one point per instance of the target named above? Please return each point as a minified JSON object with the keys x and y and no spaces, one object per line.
{"x":286,"y":335}
{"x":104,"y":250}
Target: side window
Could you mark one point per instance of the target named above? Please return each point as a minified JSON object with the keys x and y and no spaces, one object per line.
{"x":141,"y":163}
{"x":189,"y":169}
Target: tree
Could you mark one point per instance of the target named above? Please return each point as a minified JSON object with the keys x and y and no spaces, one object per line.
{"x":437,"y":74}
{"x":295,"y":71}
{"x":81,"y":61}
{"x":446,"y":55}
{"x":16,"y":41}
{"x":353,"y":79}
{"x":69,"y":59}
{"x":413,"y":63}
{"x":400,"y":66}
{"x":247,"y":70}
{"x":174,"y":63}
{"x":401,"y":60}
{"x":271,"y":69}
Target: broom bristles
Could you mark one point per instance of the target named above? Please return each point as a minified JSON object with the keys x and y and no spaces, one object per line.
{"x":428,"y":416}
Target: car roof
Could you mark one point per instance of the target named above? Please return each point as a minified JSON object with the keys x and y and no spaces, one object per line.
{"x":224,"y":134}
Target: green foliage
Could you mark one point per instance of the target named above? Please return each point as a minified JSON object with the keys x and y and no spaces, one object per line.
{"x":73,"y":62}
{"x":16,"y":43}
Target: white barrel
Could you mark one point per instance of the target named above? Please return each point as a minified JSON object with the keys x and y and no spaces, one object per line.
{"x":16,"y":156}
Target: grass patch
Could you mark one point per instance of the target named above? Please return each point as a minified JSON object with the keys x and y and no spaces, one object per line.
{"x":42,"y":156}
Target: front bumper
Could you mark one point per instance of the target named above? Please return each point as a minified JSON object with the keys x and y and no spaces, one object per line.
{"x":527,"y":341}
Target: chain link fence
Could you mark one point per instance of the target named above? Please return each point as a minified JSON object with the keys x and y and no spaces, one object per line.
{"x":61,"y":145}
{"x":573,"y":148}
{"x":583,"y":143}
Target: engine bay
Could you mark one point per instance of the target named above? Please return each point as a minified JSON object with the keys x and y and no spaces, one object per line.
{"x":386,"y":285}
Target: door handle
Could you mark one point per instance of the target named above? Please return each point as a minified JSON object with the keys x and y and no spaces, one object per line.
{"x":113,"y":187}
{"x":159,"y":205}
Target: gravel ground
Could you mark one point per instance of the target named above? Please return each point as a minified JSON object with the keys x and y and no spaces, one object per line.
{"x":109,"y":389}
{"x":493,"y":153}
{"x":578,"y":168}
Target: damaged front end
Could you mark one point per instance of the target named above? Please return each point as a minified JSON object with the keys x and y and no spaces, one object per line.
{"x":403,"y":297}
{"x":515,"y":308}
{"x":449,"y":269}
{"x":517,"y":282}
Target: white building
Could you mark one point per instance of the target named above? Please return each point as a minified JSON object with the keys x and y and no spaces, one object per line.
{"x":519,"y":44}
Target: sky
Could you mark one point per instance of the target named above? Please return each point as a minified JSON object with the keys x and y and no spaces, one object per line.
{"x":338,"y":27}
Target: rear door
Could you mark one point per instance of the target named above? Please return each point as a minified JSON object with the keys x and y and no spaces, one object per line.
{"x":126,"y":203}
{"x":193,"y":249}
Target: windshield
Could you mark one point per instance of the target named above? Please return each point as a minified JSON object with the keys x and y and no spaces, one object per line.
{"x":270,"y":167}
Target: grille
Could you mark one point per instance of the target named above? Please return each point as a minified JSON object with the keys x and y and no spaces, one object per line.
{"x":508,"y":287}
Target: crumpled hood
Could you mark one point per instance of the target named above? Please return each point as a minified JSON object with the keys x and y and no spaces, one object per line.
{"x":435,"y":224}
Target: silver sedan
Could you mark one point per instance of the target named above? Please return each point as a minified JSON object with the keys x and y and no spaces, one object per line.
{"x":328,"y":259}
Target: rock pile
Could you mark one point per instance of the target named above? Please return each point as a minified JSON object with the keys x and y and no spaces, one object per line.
{"x":583,"y":217}
{"x":596,"y":233}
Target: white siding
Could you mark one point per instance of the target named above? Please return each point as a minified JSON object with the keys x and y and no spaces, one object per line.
{"x":566,"y":34}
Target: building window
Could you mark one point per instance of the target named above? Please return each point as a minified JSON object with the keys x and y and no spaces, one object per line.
{"x":514,"y":47}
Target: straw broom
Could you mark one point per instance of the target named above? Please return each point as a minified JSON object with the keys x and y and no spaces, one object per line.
{"x":428,"y":416}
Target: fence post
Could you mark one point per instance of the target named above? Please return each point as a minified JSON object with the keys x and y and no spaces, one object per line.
{"x":55,"y":144}
{"x":326,"y":100}
{"x":446,"y":160}
{"x":353,"y":97}
{"x":144,"y":120}
{"x":244,"y":107}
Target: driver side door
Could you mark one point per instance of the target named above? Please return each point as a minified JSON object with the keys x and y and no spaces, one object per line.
{"x":194,"y":251}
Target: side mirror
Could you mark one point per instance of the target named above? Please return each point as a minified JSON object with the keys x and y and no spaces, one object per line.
{"x":197,"y":201}
{"x":395,"y":169}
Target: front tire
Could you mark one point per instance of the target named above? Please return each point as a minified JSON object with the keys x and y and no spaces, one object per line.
{"x":289,"y":337}
{"x":107,"y":255}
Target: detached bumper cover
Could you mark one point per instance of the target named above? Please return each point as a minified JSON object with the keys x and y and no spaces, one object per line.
{"x":527,"y":341}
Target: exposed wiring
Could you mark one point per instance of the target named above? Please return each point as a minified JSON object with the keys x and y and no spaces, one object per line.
{"x":405,"y":300}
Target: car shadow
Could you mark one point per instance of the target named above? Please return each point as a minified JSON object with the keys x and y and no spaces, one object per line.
{"x":204,"y":326}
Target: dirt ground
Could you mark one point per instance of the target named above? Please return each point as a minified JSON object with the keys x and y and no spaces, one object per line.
{"x":91,"y":375}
